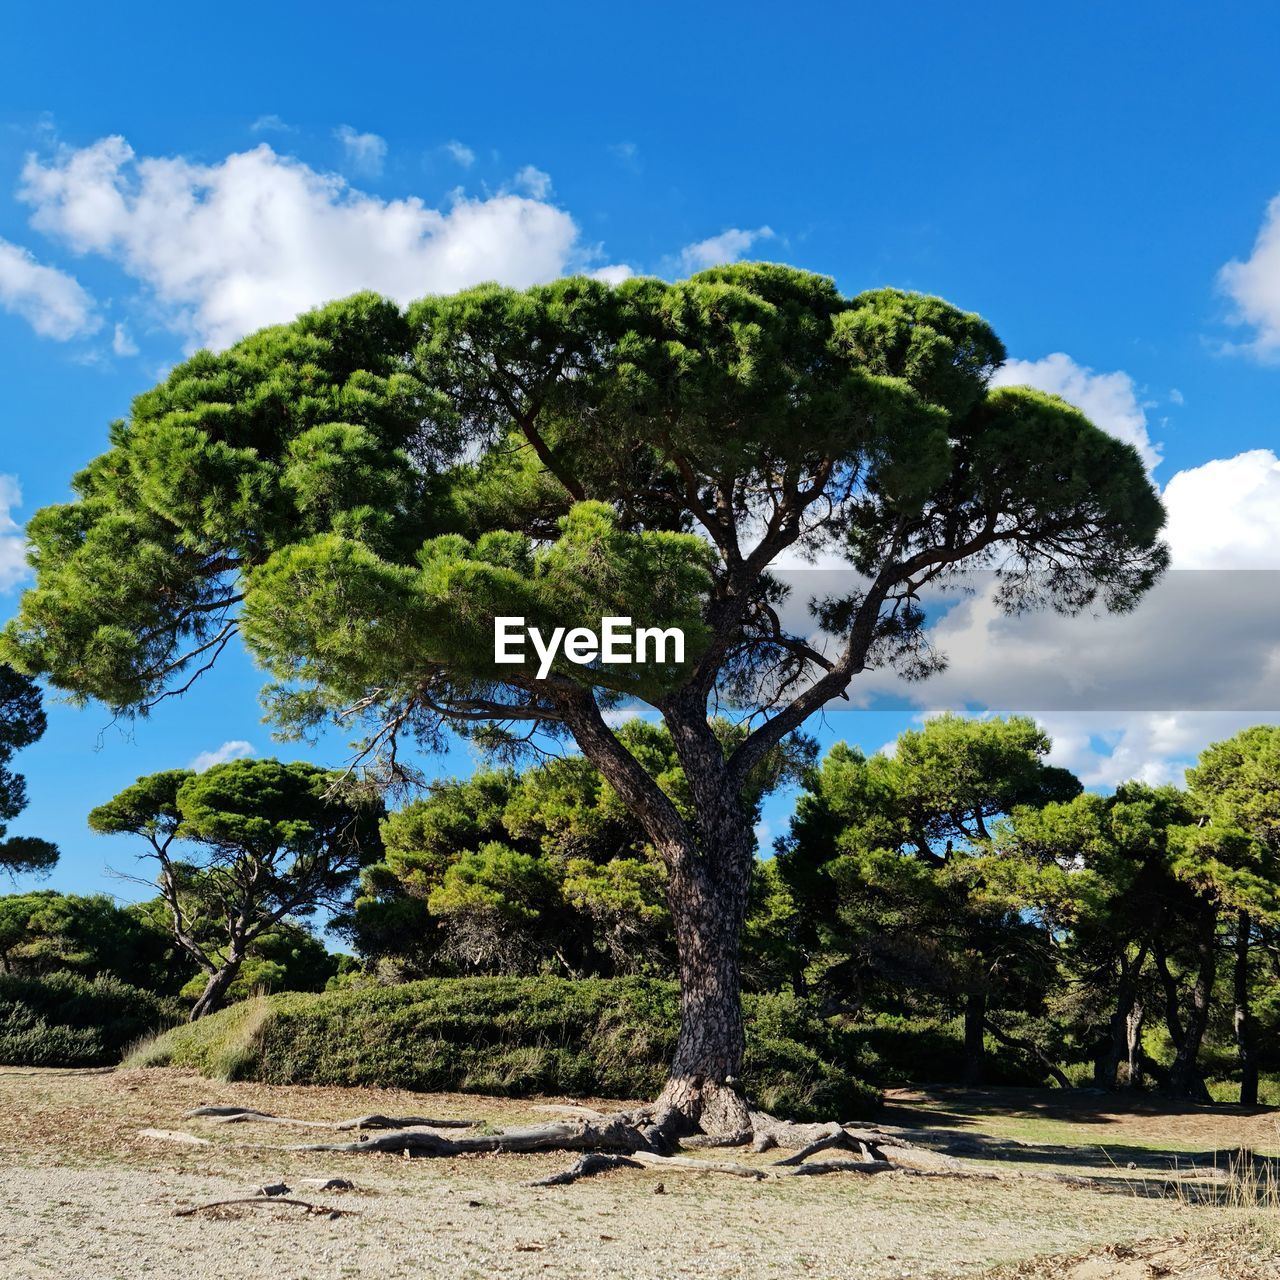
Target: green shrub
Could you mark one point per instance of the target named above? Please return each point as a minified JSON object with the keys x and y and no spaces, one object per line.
{"x":66,"y":1020}
{"x":512,"y":1036}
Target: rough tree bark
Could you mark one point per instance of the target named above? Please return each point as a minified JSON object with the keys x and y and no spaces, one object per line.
{"x":214,"y":995}
{"x":707,"y":896}
{"x":1243,"y":1018}
{"x":709,"y":862}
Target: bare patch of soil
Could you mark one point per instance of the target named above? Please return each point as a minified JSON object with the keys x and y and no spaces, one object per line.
{"x":83,"y":1194}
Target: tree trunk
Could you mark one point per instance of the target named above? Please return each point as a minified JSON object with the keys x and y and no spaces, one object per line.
{"x":707,"y":895}
{"x":1244,"y":1015}
{"x":214,"y":995}
{"x":1133,"y":1030}
{"x":975,"y":1023}
{"x":1119,"y":1045}
{"x":1184,"y":1076}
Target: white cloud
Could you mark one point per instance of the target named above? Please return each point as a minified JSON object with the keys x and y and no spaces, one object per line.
{"x":366,"y":152}
{"x":1135,"y":695}
{"x":257,"y":237}
{"x":236,"y":749}
{"x":1254,"y":286}
{"x":533,"y":182}
{"x":1226,"y":513}
{"x":728,"y":246}
{"x":122,"y":342}
{"x":13,"y":546}
{"x":616,"y":717}
{"x":615,"y":274}
{"x":1110,"y":400}
{"x":1155,"y":747}
{"x":52,"y":302}
{"x":271,"y":124}
{"x":461,"y":153}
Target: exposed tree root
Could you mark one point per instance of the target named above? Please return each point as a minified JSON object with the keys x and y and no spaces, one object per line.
{"x":648,"y":1137}
{"x":690,"y":1164}
{"x":247,"y":1115}
{"x":837,"y":1166}
{"x":586,"y":1167}
{"x":698,"y":1141}
{"x":403,"y":1122}
{"x":613,"y":1133}
{"x":270,"y":1202}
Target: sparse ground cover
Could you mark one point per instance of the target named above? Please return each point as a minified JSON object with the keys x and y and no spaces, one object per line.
{"x":85,"y":1195}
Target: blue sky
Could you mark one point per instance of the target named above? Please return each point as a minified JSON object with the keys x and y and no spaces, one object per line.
{"x":1084,"y":176}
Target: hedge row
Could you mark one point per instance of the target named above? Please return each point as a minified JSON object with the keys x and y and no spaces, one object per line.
{"x":511,"y":1036}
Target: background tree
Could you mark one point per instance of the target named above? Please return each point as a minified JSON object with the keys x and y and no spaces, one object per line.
{"x":1232,"y":854}
{"x":1103,"y":883}
{"x":22,"y":722}
{"x":545,"y":869}
{"x":890,"y":858}
{"x":241,"y":847}
{"x":48,"y":932}
{"x":363,"y":491}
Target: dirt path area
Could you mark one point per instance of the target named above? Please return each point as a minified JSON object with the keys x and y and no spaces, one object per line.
{"x":83,"y":1195}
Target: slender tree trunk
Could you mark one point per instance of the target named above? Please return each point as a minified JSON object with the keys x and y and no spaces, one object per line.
{"x":1118,"y":1045}
{"x":1184,"y":1076}
{"x":975,"y":1024}
{"x":214,"y":995}
{"x":1244,"y":1015}
{"x":1133,"y":1028}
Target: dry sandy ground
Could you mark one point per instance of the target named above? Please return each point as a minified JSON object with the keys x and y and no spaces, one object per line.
{"x":83,"y":1195}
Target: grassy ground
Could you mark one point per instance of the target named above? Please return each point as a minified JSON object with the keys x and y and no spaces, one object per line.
{"x":83,"y":1194}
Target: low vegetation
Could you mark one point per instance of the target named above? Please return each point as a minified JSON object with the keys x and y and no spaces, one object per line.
{"x":67,"y":1020}
{"x":508,"y":1036}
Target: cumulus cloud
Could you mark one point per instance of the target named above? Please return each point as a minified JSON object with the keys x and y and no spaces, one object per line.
{"x":1109,"y":399}
{"x":1254,"y":286}
{"x":615,"y":274}
{"x":122,"y":342}
{"x":461,"y":153}
{"x":52,"y":302}
{"x":366,"y":152}
{"x":13,"y":546}
{"x":1226,"y":513}
{"x":236,"y":749}
{"x":728,"y":246}
{"x":533,"y":182}
{"x":1134,"y":695}
{"x":257,"y":237}
{"x":1155,"y":747}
